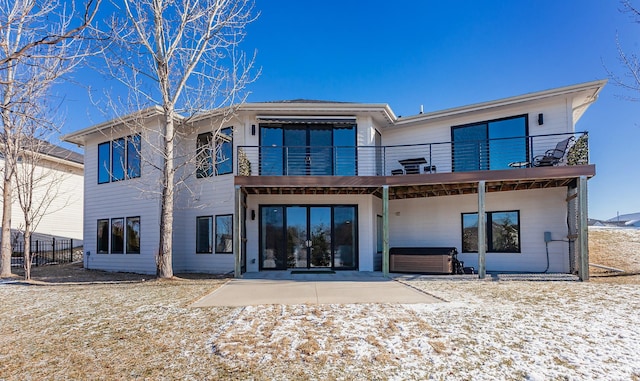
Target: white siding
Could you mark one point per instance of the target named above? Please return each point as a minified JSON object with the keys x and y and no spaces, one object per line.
{"x":437,"y":221}
{"x":209,"y":196}
{"x":127,"y":198}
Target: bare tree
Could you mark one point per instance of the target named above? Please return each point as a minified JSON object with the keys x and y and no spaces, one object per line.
{"x":36,"y":48}
{"x":629,"y":79}
{"x":37,"y":184}
{"x":183,"y":57}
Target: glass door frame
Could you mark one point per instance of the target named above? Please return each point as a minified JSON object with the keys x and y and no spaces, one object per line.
{"x":334,"y":249}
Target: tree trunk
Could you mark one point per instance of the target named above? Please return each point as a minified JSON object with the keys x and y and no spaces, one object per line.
{"x":5,"y":263}
{"x":27,"y":254}
{"x":6,"y":250}
{"x":164,"y":260}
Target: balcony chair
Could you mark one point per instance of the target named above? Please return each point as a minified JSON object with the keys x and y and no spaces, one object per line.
{"x":553,"y":156}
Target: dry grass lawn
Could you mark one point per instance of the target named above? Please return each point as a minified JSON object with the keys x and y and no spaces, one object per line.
{"x":76,"y":324}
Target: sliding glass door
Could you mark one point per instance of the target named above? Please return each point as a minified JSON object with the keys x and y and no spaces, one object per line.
{"x":489,"y":145}
{"x":304,"y":237}
{"x":307,"y":149}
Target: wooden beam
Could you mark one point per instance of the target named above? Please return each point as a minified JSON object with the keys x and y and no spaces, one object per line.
{"x":482,"y":233}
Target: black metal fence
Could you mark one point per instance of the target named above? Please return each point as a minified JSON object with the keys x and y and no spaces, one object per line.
{"x":442,"y":157}
{"x":51,"y":251}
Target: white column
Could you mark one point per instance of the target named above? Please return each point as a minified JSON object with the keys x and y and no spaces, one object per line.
{"x":385,"y":230}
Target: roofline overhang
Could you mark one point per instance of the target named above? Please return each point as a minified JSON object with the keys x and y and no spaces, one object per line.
{"x":304,"y":109}
{"x":596,"y":86}
{"x":79,"y":137}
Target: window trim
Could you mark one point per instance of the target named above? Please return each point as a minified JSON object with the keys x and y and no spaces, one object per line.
{"x":100,"y":166}
{"x":126,"y":235}
{"x":108,"y":237}
{"x":111,"y":240}
{"x":128,"y":156}
{"x":203,"y":153}
{"x":219,"y":143}
{"x":211,"y":239}
{"x":486,"y":124}
{"x":137,"y":146}
{"x":489,"y":232}
{"x":215,"y":242}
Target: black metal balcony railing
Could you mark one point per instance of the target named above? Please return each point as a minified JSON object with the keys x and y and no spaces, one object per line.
{"x":444,"y":157}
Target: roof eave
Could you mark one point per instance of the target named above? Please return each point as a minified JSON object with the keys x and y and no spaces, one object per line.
{"x":79,"y":137}
{"x":595,"y":85}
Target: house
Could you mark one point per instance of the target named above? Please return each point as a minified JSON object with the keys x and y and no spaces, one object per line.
{"x":312,"y":184}
{"x":62,"y":217}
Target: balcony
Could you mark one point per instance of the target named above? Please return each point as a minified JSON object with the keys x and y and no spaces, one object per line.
{"x":412,"y":159}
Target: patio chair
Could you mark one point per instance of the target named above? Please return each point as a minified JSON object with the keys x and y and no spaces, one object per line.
{"x":553,"y":156}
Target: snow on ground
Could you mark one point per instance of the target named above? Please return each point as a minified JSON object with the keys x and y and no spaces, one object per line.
{"x":485,"y":331}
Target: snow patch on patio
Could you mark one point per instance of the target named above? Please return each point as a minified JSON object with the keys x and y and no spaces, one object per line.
{"x":486,"y":331}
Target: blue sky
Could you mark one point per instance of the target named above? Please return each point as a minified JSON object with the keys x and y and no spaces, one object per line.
{"x":446,"y":54}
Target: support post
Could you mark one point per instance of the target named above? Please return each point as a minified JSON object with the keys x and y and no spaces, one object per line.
{"x":385,"y":230}
{"x":237,"y":230}
{"x":482,"y":232}
{"x":583,"y":231}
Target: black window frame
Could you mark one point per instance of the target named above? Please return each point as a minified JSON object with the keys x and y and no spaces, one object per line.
{"x":223,"y":164}
{"x":485,"y":162}
{"x":131,"y":249}
{"x":104,"y":166}
{"x":99,"y":237}
{"x":204,"y":158}
{"x":114,"y":247}
{"x":131,"y":165}
{"x":118,"y":169}
{"x":489,"y":232}
{"x":209,"y":249}
{"x":230,"y":234}
{"x":134,"y":162}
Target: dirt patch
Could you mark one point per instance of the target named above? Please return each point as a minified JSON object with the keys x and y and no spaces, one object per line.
{"x":616,"y":248}
{"x":74,"y":273}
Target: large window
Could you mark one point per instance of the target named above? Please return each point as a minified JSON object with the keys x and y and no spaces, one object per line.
{"x":490,"y":145}
{"x":133,"y":235}
{"x":223,"y":149}
{"x":104,"y":162}
{"x":503,"y":232}
{"x":117,"y":235}
{"x":204,"y":159}
{"x":204,"y":233}
{"x":224,"y":234}
{"x":112,"y":238}
{"x":103,"y":236}
{"x":299,"y":148}
{"x":119,"y":159}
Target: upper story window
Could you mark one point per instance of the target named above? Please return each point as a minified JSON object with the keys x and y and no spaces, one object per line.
{"x":119,"y":159}
{"x":489,"y":145}
{"x":223,"y":149}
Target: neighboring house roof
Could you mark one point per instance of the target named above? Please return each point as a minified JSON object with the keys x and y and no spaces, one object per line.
{"x":57,"y":152}
{"x":625,"y":217}
{"x":582,"y":95}
{"x":60,"y":152}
